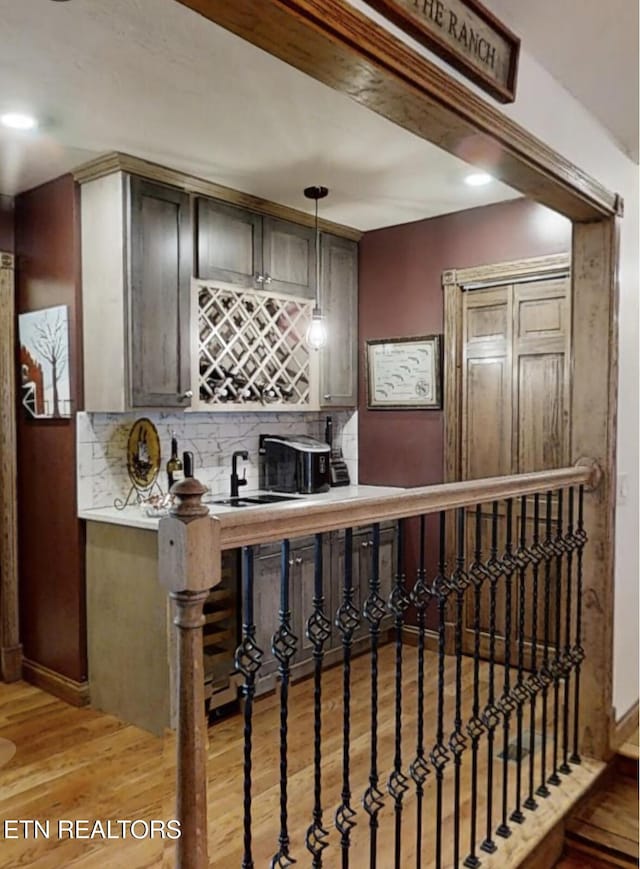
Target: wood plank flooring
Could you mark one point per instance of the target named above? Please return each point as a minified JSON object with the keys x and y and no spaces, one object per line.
{"x":631,"y":748}
{"x":605,"y":826}
{"x":75,"y":763}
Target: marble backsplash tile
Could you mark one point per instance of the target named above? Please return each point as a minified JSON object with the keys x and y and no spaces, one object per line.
{"x":212,"y":437}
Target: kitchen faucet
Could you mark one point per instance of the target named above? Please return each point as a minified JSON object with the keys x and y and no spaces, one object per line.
{"x":236,"y":482}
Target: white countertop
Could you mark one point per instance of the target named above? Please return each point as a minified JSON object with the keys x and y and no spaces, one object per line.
{"x":135,"y":517}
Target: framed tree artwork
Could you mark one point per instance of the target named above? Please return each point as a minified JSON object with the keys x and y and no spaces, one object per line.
{"x":44,"y":362}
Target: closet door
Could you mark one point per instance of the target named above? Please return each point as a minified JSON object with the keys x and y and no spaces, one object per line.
{"x":516,"y":353}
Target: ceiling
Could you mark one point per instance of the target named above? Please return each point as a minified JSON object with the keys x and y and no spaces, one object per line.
{"x":591,"y":48}
{"x":153,"y":79}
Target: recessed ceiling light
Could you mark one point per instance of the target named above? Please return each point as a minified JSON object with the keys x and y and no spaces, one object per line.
{"x":17,"y":121}
{"x":478,"y":179}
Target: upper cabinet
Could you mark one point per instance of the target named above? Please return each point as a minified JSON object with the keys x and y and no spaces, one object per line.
{"x":160,"y":281}
{"x":289,"y":257}
{"x":339,"y":305}
{"x":228,"y":243}
{"x":153,"y":336}
{"x":239,"y":247}
{"x":136,"y":271}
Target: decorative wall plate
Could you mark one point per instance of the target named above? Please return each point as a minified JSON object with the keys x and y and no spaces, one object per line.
{"x":143,"y":454}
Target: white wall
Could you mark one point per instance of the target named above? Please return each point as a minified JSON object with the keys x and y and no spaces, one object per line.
{"x":548,"y":111}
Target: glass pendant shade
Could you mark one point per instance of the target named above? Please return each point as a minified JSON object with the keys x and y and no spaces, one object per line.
{"x":316,"y":336}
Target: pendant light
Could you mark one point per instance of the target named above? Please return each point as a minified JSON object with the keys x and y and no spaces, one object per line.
{"x":316,"y":336}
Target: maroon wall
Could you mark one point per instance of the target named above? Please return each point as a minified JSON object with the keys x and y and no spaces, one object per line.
{"x":51,"y":543}
{"x":400,"y":295}
{"x":6,"y":224}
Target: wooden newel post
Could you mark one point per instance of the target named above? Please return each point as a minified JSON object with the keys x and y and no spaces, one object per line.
{"x":189,"y":565}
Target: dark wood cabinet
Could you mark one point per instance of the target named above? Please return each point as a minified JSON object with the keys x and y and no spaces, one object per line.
{"x":339,"y":304}
{"x":160,"y":280}
{"x":289,"y":258}
{"x":228,"y":243}
{"x":266,"y":601}
{"x":246,"y":249}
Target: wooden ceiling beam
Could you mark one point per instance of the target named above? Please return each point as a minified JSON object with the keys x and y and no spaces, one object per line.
{"x":343,"y":48}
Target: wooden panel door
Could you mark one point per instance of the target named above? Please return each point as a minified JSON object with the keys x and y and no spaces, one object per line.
{"x":487,"y":383}
{"x":516,"y":344}
{"x":160,"y":276}
{"x":289,"y":259}
{"x":229,"y":243}
{"x":339,"y":304}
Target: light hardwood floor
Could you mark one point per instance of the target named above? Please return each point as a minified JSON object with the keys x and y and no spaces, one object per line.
{"x":81,"y":764}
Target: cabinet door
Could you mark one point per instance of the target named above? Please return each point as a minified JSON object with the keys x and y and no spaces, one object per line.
{"x":302,"y":585}
{"x":339,"y":304}
{"x":160,"y":276}
{"x":387,"y":556}
{"x":266,"y":604}
{"x":229,"y":243}
{"x":289,"y":258}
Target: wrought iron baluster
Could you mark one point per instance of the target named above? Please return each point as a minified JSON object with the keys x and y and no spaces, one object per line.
{"x":457,"y":740}
{"x":284,"y":648}
{"x":318,"y":631}
{"x":556,"y":667}
{"x":374,"y":611}
{"x":536,"y":556}
{"x":439,"y":755}
{"x":545,"y":673}
{"x":506,"y":703}
{"x":419,"y":767}
{"x":346,"y":622}
{"x":490,"y":715}
{"x":569,"y":543}
{"x":519,"y":691}
{"x":248,"y":658}
{"x":398,"y":603}
{"x":475,"y":727}
{"x":578,"y":651}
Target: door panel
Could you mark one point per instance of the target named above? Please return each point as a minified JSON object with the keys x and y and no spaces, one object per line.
{"x":289,"y":257}
{"x":541,"y":412}
{"x":515,"y":418}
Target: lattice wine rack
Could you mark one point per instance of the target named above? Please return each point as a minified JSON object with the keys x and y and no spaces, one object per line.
{"x":252,"y":350}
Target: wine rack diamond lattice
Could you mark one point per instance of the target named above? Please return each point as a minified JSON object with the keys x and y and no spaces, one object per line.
{"x":252,"y":348}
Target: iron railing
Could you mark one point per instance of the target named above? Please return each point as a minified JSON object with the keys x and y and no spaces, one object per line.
{"x":504,"y":589}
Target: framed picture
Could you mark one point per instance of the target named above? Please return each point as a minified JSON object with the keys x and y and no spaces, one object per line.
{"x":404,"y":373}
{"x":44,"y":362}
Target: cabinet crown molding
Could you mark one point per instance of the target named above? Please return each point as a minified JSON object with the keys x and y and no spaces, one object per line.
{"x":119,"y":162}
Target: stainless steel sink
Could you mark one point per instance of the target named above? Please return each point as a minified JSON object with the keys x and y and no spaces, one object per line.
{"x":250,"y":500}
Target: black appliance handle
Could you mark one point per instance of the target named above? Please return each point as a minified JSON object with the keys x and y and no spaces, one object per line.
{"x":328,"y":431}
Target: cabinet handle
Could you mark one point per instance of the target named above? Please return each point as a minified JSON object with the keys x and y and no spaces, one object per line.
{"x":298,"y":560}
{"x":188,"y":393}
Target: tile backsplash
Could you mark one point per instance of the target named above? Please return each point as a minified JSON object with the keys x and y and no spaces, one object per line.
{"x":212,"y":437}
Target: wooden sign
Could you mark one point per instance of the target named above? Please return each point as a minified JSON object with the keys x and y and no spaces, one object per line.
{"x":465,"y":35}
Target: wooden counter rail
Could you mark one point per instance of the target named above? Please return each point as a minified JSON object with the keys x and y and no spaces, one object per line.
{"x":190,"y":546}
{"x":297,"y":518}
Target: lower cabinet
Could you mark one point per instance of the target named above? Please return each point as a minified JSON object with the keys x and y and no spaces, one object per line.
{"x":302,"y":582}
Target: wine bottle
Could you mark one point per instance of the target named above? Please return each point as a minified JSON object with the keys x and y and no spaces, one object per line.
{"x":174,"y":465}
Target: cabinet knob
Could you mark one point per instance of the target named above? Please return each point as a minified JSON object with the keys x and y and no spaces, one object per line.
{"x":188,"y":393}
{"x":259,"y":279}
{"x":364,"y":544}
{"x":266,"y":279}
{"x":298,"y":560}
{"x":326,"y":397}
{"x":291,"y":562}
